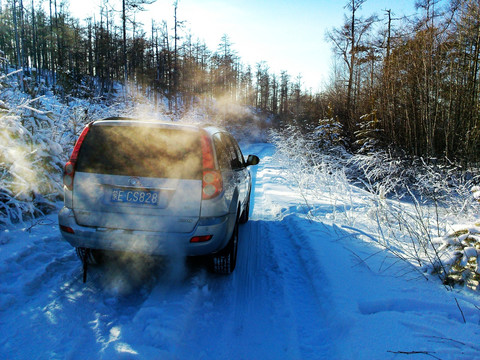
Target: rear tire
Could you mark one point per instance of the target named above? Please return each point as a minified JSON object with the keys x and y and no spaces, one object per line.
{"x":92,"y":256}
{"x":225,"y":261}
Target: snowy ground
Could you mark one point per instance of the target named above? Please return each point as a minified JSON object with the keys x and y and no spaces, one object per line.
{"x":303,"y":289}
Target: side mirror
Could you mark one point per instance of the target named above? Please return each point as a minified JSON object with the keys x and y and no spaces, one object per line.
{"x":252,"y":160}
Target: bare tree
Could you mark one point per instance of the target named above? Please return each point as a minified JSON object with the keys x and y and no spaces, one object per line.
{"x":128,"y":7}
{"x":17,"y":44}
{"x":348,"y":43}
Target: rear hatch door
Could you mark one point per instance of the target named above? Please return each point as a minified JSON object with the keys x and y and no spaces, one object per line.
{"x":139,"y":176}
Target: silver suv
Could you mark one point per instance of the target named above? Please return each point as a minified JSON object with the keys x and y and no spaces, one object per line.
{"x":156,"y":188}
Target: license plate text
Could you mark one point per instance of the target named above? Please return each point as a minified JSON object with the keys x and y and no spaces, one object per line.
{"x":135,"y":196}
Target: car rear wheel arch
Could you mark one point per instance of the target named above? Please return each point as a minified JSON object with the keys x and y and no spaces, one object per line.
{"x":224,"y":262}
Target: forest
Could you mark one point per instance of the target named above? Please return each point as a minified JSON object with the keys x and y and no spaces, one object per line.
{"x":408,"y":85}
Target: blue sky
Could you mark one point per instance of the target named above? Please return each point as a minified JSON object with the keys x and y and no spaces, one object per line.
{"x":287,"y":35}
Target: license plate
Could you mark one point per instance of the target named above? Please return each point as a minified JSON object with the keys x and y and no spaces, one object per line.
{"x":135,"y":196}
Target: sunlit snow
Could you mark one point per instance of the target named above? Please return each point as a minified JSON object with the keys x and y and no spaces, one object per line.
{"x":304,"y":288}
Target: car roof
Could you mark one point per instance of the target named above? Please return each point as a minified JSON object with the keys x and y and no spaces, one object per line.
{"x":123,"y":121}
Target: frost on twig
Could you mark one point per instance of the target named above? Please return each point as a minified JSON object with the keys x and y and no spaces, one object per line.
{"x":428,"y":353}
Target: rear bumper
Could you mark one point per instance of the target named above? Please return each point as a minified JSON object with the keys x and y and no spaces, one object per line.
{"x":147,"y":242}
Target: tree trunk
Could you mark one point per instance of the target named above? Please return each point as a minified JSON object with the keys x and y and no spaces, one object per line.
{"x":17,"y":45}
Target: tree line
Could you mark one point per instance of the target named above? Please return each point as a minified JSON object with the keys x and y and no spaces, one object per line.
{"x":408,"y":84}
{"x":89,"y":58}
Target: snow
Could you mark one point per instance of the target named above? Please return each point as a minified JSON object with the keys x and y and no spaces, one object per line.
{"x":476,"y":192}
{"x":305,"y":287}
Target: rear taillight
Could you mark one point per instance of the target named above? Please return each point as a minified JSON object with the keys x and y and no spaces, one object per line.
{"x":207,"y":152}
{"x":212,"y":183}
{"x":67,"y":229}
{"x":69,"y":170}
{"x":199,"y":239}
{"x":68,"y":174}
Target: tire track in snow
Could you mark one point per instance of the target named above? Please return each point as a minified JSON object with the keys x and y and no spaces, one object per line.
{"x":242,"y":316}
{"x":25,"y":273}
{"x":174,"y":308}
{"x":59,"y":314}
{"x":306,"y":303}
{"x":269,"y":308}
{"x":262,"y":324}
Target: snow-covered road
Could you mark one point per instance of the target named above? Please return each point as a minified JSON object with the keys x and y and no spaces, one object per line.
{"x":300,"y":291}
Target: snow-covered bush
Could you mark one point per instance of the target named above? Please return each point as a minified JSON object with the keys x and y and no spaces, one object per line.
{"x":459,"y":262}
{"x":327,"y":135}
{"x":36,"y":137}
{"x":476,"y":192}
{"x":369,"y":133}
{"x":392,"y":176}
{"x":314,"y":171}
{"x":433,"y":199}
{"x":412,"y":204}
{"x":30,"y":162}
{"x":380,"y":173}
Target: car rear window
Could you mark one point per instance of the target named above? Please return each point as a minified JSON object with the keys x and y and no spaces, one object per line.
{"x":143,"y":151}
